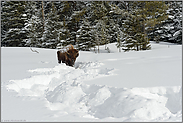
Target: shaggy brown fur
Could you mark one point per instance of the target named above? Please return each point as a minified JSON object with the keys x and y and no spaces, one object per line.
{"x":68,"y":55}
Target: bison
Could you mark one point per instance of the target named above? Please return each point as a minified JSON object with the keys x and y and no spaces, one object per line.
{"x":67,"y":55}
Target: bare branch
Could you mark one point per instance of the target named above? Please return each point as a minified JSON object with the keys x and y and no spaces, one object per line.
{"x":34,"y":50}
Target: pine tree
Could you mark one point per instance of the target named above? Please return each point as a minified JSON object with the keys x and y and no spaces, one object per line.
{"x":4,"y":25}
{"x":117,"y":16}
{"x":171,"y":29}
{"x":64,"y":35}
{"x":100,"y":11}
{"x":120,"y":39}
{"x":85,"y":37}
{"x":73,"y":12}
{"x":73,"y":25}
{"x":33,"y":25}
{"x":133,"y":36}
{"x":101,"y":30}
{"x":64,"y":10}
{"x":13,"y":21}
{"x":119,"y":43}
{"x":97,"y":39}
{"x":51,"y":34}
{"x":144,"y":16}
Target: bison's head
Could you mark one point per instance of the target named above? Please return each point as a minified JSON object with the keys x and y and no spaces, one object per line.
{"x":72,"y":55}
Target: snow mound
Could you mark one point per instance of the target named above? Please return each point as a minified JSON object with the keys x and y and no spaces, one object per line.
{"x":49,"y":78}
{"x":64,"y":90}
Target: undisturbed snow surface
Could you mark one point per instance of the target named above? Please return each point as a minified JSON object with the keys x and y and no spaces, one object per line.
{"x":94,"y":89}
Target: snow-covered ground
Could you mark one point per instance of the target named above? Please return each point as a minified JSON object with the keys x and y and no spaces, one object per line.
{"x":127,"y":86}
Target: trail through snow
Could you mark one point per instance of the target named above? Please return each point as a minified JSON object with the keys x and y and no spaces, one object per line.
{"x":65,"y":92}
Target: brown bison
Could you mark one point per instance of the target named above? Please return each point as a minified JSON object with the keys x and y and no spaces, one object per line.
{"x":67,"y":55}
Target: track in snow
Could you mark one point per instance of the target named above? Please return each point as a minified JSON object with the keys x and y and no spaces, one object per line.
{"x":64,"y":90}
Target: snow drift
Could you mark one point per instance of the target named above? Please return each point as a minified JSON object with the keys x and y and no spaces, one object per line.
{"x":64,"y":91}
{"x":71,"y":94}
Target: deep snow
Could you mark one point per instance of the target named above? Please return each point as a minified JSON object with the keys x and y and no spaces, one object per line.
{"x":131,"y":86}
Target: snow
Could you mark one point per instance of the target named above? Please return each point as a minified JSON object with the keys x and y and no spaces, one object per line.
{"x":105,"y":87}
{"x":64,"y":49}
{"x":177,"y":33}
{"x":159,"y":31}
{"x":24,"y":15}
{"x":171,"y":17}
{"x":169,"y":27}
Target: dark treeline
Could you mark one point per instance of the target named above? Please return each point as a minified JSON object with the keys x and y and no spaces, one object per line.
{"x":88,"y":24}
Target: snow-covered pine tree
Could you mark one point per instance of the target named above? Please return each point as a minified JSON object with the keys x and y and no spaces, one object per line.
{"x":119,"y":42}
{"x":34,"y":25}
{"x":132,"y":29}
{"x":85,"y":37}
{"x":13,"y":20}
{"x":105,"y":37}
{"x":100,"y":11}
{"x":121,"y":4}
{"x":120,"y":39}
{"x":115,"y":24}
{"x":74,"y":20}
{"x":112,"y":30}
{"x":114,"y":18}
{"x":4,"y":25}
{"x":171,"y":29}
{"x":146,"y":14}
{"x":97,"y":40}
{"x":51,"y":36}
{"x":64,"y":35}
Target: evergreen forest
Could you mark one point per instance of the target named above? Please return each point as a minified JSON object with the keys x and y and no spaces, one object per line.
{"x":89,"y":24}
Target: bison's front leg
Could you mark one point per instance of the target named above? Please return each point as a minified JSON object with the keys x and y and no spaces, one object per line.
{"x":67,"y":63}
{"x":59,"y":61}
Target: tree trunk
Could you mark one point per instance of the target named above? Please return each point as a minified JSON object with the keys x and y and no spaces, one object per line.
{"x":137,"y":47}
{"x":98,"y":43}
{"x":43,"y":15}
{"x":98,"y":48}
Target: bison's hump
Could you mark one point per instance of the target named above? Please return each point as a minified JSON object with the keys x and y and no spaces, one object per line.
{"x":65,"y":49}
{"x":69,"y":46}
